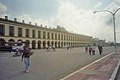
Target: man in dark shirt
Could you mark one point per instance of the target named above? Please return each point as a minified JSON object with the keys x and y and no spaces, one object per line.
{"x":26,"y":57}
{"x":100,"y":49}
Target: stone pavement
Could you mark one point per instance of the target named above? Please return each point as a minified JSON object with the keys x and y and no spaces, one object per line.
{"x":102,"y":69}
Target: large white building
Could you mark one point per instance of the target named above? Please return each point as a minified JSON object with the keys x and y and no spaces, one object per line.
{"x":39,"y":37}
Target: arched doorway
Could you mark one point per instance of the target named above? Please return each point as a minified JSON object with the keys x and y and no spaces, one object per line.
{"x":39,"y":44}
{"x":27,"y":42}
{"x":2,"y":42}
{"x":52,"y":43}
{"x":61,"y":44}
{"x":11,"y":41}
{"x":19,"y":42}
{"x":71,"y":44}
{"x":67,"y":43}
{"x":64,"y":44}
{"x":58,"y":44}
{"x":33,"y":44}
{"x":48,"y":43}
{"x":55,"y":44}
{"x":44,"y":44}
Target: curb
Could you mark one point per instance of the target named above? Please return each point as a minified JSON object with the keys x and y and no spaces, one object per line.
{"x":113,"y":76}
{"x":87,"y":66}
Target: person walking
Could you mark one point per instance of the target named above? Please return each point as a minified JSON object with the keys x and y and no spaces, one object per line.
{"x":26,"y":57}
{"x":86,"y":48}
{"x":93,"y":49}
{"x":90,"y":50}
{"x":100,"y":48}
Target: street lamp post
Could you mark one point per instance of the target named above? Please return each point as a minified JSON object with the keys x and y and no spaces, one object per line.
{"x":113,"y":15}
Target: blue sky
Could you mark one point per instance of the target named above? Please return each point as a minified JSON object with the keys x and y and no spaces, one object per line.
{"x":75,"y":15}
{"x":35,"y":8}
{"x":45,"y":8}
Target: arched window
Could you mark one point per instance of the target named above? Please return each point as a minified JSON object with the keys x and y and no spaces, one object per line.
{"x":2,"y":42}
{"x":33,"y":44}
{"x":39,"y":44}
{"x":44,"y":44}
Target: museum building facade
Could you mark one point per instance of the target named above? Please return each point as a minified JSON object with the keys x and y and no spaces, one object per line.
{"x":39,"y":37}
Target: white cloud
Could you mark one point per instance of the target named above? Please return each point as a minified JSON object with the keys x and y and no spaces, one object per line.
{"x":3,"y":8}
{"x":28,"y":18}
{"x":79,"y":20}
{"x":85,"y":22}
{"x":98,"y":5}
{"x":76,"y":19}
{"x":112,"y":6}
{"x":117,"y":1}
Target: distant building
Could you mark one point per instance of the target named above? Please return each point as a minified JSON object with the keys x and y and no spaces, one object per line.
{"x":102,"y":42}
{"x":39,"y":37}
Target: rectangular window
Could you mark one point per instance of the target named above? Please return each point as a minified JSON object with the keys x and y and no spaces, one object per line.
{"x":44,"y":35}
{"x":64,"y":37}
{"x":55,"y":36}
{"x":27,"y":33}
{"x":58,"y":36}
{"x":67,"y":37}
{"x":61,"y":36}
{"x":2,"y":30}
{"x":48,"y":34}
{"x":11,"y":31}
{"x":33,"y":33}
{"x":20,"y":32}
{"x":52,"y":35}
{"x":39,"y":34}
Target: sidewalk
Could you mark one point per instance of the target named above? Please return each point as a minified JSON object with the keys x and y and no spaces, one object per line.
{"x":102,"y":69}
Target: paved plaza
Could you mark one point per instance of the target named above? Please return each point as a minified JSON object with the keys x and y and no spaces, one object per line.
{"x":49,"y":65}
{"x":102,"y":69}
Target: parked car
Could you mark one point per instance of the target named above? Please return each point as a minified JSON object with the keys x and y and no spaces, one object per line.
{"x":12,"y":47}
{"x":6,"y":48}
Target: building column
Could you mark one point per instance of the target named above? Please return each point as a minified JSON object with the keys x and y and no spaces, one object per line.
{"x":6,"y":30}
{"x":36,"y":33}
{"x":24,"y":33}
{"x":16,"y":31}
{"x":30,"y":45}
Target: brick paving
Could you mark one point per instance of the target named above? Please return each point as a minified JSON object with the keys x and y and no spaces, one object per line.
{"x":100,"y":70}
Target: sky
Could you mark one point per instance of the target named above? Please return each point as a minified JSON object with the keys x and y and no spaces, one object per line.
{"x":74,"y":15}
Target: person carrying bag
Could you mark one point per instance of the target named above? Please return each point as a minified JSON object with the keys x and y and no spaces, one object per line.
{"x":26,"y":57}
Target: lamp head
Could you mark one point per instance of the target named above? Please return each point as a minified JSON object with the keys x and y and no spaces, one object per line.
{"x":94,"y":12}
